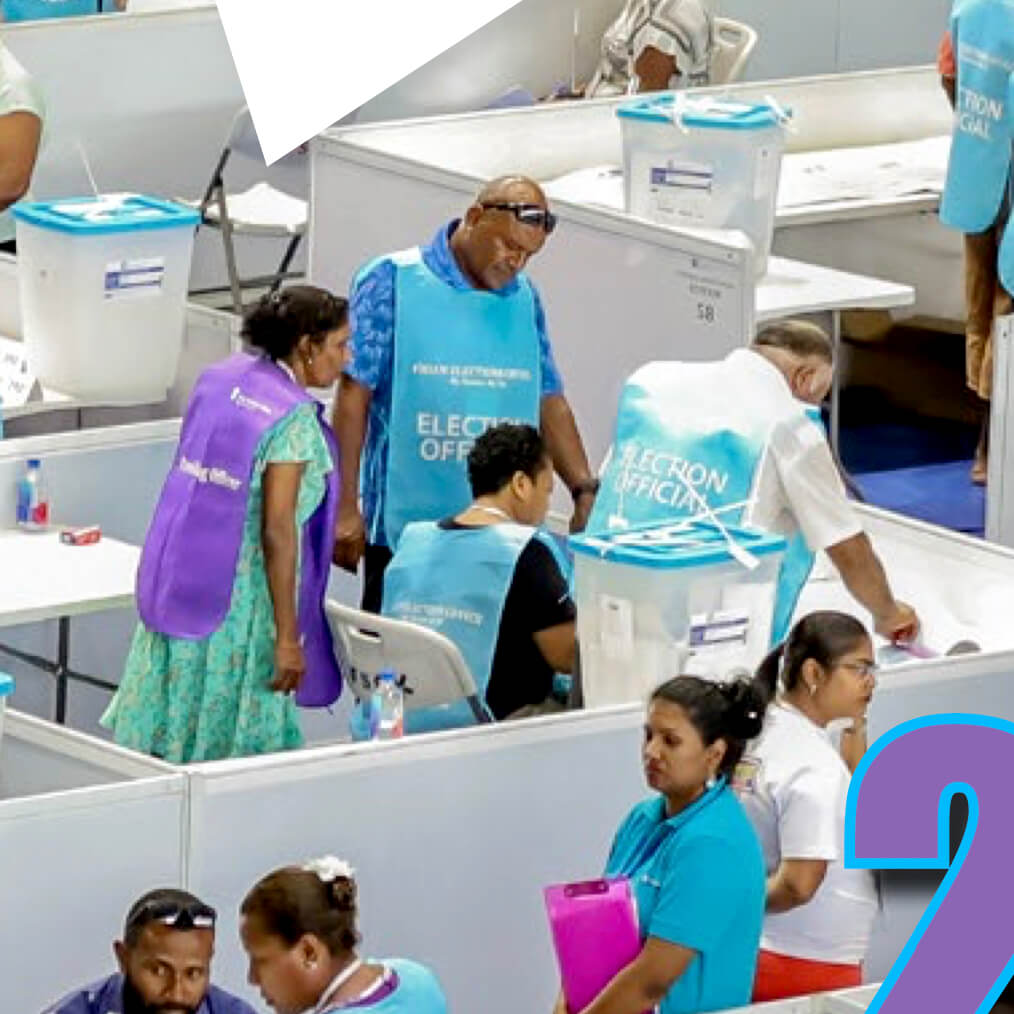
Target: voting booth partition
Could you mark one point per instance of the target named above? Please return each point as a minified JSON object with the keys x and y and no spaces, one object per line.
{"x":851,"y":209}
{"x":85,"y":829}
{"x":844,"y":1001}
{"x":452,"y":836}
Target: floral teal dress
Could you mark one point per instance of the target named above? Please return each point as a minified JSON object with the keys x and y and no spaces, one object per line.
{"x":203,"y":700}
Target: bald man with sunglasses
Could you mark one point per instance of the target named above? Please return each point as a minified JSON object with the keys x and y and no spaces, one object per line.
{"x":448,"y":339}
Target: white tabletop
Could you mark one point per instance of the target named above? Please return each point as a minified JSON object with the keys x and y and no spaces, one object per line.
{"x":42,"y":579}
{"x":792,"y":287}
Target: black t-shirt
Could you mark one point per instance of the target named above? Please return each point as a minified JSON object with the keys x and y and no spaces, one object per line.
{"x":538,"y":598}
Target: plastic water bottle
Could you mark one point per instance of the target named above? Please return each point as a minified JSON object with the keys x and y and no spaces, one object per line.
{"x":33,"y":500}
{"x":388,"y":708}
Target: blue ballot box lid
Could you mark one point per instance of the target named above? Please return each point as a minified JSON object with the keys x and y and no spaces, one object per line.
{"x":675,"y":545}
{"x":717,"y":114}
{"x":105,"y":214}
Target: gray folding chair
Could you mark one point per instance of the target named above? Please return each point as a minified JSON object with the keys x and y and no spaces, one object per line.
{"x":734,"y":42}
{"x":260,"y":210}
{"x":429,"y":667}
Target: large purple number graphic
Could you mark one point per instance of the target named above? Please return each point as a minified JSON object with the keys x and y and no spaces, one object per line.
{"x":959,"y":958}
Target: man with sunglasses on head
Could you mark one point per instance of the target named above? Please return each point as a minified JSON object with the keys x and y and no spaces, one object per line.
{"x":448,"y":340}
{"x":165,"y":963}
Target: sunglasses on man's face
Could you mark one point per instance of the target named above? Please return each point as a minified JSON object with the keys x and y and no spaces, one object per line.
{"x":174,"y":915}
{"x":526,"y":214}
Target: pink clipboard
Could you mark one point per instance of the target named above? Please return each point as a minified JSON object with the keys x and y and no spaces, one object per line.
{"x":595,"y":935}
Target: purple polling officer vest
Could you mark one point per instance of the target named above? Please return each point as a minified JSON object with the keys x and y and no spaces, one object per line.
{"x":188,"y":565}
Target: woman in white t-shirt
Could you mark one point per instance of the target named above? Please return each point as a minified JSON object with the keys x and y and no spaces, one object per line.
{"x":793,"y":783}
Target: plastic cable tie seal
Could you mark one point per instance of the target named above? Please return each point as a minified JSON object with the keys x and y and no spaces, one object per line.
{"x":678,"y":103}
{"x":783,"y":115}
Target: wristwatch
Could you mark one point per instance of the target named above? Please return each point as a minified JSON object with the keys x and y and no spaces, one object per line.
{"x":584,"y":486}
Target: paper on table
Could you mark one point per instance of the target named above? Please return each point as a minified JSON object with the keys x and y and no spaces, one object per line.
{"x":854,"y":174}
{"x":601,"y":185}
{"x":880,"y":171}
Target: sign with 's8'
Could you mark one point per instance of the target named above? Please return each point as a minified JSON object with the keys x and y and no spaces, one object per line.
{"x":961,"y":954}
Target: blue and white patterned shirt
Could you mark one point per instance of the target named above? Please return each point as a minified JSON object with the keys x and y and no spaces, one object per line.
{"x":372,"y":321}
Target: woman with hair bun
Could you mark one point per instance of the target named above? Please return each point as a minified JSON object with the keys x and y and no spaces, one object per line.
{"x":298,"y":927}
{"x":793,"y":784}
{"x":230,"y":587}
{"x":692,"y":858}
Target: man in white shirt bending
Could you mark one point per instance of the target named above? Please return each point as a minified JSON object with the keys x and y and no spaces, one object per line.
{"x":741,"y":437}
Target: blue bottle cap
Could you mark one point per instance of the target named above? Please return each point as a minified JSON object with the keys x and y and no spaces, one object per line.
{"x":35,"y":463}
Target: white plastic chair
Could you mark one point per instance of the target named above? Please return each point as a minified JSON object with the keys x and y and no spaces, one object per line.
{"x":260,"y":210}
{"x":734,"y":42}
{"x":430,"y":668}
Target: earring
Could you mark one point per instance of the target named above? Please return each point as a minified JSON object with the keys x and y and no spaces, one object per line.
{"x":813,"y":688}
{"x":711,"y":782}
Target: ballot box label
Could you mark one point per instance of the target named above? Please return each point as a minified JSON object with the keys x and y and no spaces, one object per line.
{"x":134,"y":278}
{"x":961,"y":954}
{"x":678,"y":192}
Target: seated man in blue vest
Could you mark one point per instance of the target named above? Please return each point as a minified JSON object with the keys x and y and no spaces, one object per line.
{"x":488,"y":579}
{"x":165,"y":963}
{"x":741,"y":438}
{"x":447,"y":340}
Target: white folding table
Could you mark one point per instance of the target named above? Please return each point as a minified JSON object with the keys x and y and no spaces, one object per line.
{"x":41,"y":579}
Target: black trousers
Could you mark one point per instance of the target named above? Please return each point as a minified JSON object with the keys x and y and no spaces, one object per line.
{"x":375,"y":561}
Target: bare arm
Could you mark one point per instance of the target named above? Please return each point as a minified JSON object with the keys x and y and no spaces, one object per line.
{"x":654,"y":70}
{"x":19,"y":146}
{"x":281,"y":546}
{"x":794,"y":883}
{"x":559,"y":431}
{"x":645,"y":981}
{"x":351,"y":411}
{"x":949,"y":85}
{"x":853,"y":743}
{"x":558,"y":645}
{"x":864,"y":576}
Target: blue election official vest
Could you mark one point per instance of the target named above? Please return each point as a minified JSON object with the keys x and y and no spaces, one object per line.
{"x":454,"y":581}
{"x":678,"y":447}
{"x":34,"y":10}
{"x":1005,"y":257}
{"x":983,"y":35}
{"x":464,"y":360}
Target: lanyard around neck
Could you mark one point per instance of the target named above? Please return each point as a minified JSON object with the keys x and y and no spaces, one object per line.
{"x":340,"y":979}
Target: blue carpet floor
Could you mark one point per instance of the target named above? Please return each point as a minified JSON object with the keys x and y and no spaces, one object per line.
{"x":941,"y":493}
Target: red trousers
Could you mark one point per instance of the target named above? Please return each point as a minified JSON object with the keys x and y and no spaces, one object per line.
{"x":780,"y":976}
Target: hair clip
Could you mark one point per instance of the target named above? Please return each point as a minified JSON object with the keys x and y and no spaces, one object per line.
{"x":752,"y":715}
{"x":329,"y":868}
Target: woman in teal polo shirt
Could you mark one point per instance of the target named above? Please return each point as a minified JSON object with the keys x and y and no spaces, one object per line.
{"x":692,"y":857}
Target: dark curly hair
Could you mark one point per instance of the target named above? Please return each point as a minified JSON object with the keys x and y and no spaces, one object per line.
{"x":502,"y":451}
{"x":279,"y":319}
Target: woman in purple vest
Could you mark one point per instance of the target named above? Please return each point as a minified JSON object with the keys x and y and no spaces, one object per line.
{"x":232,"y":577}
